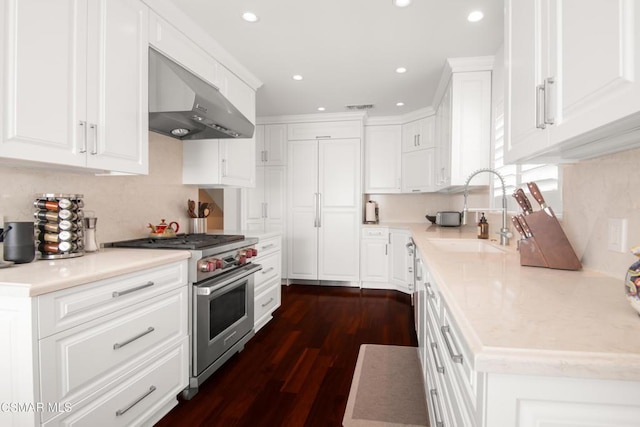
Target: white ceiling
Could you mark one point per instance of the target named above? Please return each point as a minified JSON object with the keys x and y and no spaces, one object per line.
{"x":347,"y":50}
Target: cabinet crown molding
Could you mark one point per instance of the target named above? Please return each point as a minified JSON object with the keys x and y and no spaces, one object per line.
{"x":461,"y":65}
{"x":310,"y":118}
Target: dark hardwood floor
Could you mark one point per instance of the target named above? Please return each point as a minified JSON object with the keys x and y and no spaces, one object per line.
{"x":297,"y":370}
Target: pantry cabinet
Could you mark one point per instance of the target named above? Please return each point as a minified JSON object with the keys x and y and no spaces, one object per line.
{"x":573,"y":79}
{"x":324,"y":200}
{"x":463,"y":128}
{"x":382,"y":159}
{"x":74,"y":83}
{"x":271,"y":144}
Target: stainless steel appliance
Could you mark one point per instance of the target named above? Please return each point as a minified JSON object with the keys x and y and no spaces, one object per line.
{"x":221,"y":295}
{"x":448,"y":219}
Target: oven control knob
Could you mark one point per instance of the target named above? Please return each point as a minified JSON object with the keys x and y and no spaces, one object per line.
{"x":219,"y":263}
{"x":248,"y":253}
{"x":254,"y":252}
{"x":205,"y":266}
{"x":242,"y":259}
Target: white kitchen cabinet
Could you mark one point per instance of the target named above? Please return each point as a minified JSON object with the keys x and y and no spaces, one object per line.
{"x":267,"y":286}
{"x":463,"y":119}
{"x":401,"y":262}
{"x":324,"y":130}
{"x":74,"y":83}
{"x":271,"y":144}
{"x":91,"y":351}
{"x":382,"y":159}
{"x":325,"y":199}
{"x":572,"y":92}
{"x":374,"y":258}
{"x":418,"y":171}
{"x":211,"y":163}
{"x":418,"y":134}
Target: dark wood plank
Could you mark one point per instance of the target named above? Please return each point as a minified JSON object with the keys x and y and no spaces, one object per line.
{"x":297,"y":370}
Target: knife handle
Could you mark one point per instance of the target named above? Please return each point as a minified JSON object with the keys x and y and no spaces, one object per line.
{"x":535,"y":192}
{"x":523,"y":201}
{"x":525,"y":226}
{"x":518,"y":227}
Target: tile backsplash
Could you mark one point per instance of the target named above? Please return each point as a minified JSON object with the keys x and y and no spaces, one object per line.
{"x":124,"y":205}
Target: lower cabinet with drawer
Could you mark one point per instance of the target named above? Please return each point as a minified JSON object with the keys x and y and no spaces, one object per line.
{"x":114,"y":352}
{"x":267,"y":282}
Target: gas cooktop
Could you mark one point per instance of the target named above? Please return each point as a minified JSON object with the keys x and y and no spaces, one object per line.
{"x":181,"y":241}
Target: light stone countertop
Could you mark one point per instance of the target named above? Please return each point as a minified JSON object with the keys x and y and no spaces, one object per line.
{"x":44,"y":276}
{"x":530,"y":320}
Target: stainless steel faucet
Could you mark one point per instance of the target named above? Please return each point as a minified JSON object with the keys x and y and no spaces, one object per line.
{"x":504,"y":231}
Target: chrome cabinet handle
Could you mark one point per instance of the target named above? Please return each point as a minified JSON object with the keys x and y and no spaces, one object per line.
{"x":547,"y":100}
{"x":83,"y":126}
{"x":264,"y":209}
{"x":418,"y":136}
{"x":268,"y":270}
{"x":446,"y":333}
{"x":386,"y":250}
{"x":93,"y":126}
{"x":266,"y":156}
{"x":539,"y":105}
{"x":315,"y":210}
{"x":268,"y":302}
{"x":439,"y":367}
{"x":120,"y":412}
{"x":128,"y":291}
{"x":419,"y":270}
{"x":319,"y":210}
{"x":323,"y":137}
{"x":435,"y":401}
{"x":270,"y":245}
{"x":224,"y":168}
{"x":132,"y":339}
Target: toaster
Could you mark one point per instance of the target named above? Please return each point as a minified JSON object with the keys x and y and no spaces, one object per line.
{"x":449,"y":218}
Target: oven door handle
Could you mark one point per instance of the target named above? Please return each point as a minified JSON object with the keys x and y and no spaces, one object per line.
{"x":244,"y":272}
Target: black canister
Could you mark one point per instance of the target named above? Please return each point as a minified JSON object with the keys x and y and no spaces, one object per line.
{"x":19,"y":242}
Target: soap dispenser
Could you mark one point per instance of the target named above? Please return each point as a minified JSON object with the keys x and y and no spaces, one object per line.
{"x":483,"y":228}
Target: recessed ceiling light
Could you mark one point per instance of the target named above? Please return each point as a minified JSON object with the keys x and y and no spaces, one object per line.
{"x":297,"y":77}
{"x":475,"y":16}
{"x":321,"y":108}
{"x":401,"y":3}
{"x":250,"y":17}
{"x":401,"y":70}
{"x":399,"y":104}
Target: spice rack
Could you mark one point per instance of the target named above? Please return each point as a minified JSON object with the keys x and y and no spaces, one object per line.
{"x":59,"y":225}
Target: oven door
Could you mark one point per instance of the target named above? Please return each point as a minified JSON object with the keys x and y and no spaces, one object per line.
{"x":223,"y":313}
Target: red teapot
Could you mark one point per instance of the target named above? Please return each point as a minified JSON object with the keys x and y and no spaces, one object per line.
{"x":164,"y":229}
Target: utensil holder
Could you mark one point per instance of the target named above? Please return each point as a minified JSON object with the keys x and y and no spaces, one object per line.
{"x":549,"y":246}
{"x":197,"y":225}
{"x":59,"y":225}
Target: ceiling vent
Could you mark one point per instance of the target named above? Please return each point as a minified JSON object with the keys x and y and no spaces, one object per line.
{"x":359,"y":107}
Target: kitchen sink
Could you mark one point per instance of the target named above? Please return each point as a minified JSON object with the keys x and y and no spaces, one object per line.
{"x":466,"y":245}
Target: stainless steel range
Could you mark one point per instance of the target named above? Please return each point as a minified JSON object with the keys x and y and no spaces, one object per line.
{"x":221,"y":295}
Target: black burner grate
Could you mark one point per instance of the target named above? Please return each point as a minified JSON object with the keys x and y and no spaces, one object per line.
{"x":181,"y":241}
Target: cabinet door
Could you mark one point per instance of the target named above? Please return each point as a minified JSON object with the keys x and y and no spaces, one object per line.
{"x":374,"y":261}
{"x":274,"y":188}
{"x":241,"y":95}
{"x":401,"y":273}
{"x":302,"y":191}
{"x":417,"y":171}
{"x":443,"y":136}
{"x":526,"y":53}
{"x":324,"y":130}
{"x":117,"y":88}
{"x":340,"y":214}
{"x":597,"y":73}
{"x":382,"y":159}
{"x":275,"y":145}
{"x":43,"y":80}
{"x":259,"y":137}
{"x":238,"y":164}
{"x":254,"y":201}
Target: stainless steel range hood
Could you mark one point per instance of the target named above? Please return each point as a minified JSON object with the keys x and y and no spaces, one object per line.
{"x":183,"y":106}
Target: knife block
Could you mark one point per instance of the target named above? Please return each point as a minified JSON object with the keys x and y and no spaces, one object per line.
{"x":549,"y":246}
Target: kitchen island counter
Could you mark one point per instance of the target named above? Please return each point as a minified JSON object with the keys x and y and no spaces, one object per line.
{"x":44,"y":276}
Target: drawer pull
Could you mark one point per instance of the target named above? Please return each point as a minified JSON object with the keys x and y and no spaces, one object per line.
{"x":130,"y":340}
{"x":268,"y":302}
{"x":437,"y":410}
{"x":269,"y":246}
{"x":128,"y":291}
{"x":430,"y":293}
{"x":268,"y":270}
{"x":439,"y":367}
{"x":446,"y":333}
{"x":120,"y":412}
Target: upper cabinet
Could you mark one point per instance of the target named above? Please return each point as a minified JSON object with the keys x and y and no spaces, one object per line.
{"x":382,"y":159}
{"x":213,"y":163}
{"x":74,"y":83}
{"x":271,"y":145}
{"x":325,"y":130}
{"x":463,"y":129}
{"x":418,"y":134}
{"x":573,"y":79}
